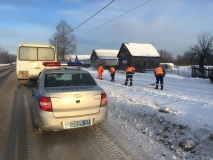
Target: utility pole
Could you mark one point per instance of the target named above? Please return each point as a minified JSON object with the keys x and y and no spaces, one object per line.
{"x":56,"y":48}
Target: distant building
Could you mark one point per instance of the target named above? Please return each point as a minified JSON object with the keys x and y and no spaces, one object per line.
{"x":70,"y":57}
{"x":84,"y":59}
{"x":167,"y":65}
{"x":142,"y":56}
{"x":103,"y":57}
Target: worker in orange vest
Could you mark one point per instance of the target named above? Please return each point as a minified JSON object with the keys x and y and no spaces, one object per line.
{"x":159,"y":74}
{"x":100,"y":71}
{"x":129,"y":74}
{"x":112,"y":73}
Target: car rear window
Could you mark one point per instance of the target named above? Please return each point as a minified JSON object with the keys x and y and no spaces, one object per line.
{"x":68,"y":79}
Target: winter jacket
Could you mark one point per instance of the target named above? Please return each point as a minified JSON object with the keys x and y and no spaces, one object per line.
{"x":100,"y":69}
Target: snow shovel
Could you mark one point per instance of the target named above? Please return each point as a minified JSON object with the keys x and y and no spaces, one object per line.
{"x":152,"y":84}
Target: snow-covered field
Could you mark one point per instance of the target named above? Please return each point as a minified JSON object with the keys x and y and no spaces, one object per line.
{"x":174,"y":123}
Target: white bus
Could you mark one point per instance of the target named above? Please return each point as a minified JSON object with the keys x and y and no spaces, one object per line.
{"x":30,"y":60}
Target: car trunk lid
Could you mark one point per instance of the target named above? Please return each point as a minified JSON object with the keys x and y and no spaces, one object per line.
{"x":75,"y":101}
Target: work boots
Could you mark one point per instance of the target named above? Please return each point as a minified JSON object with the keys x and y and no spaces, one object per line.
{"x":160,"y":88}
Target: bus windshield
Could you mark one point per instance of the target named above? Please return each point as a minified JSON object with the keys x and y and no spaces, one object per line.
{"x":36,"y":53}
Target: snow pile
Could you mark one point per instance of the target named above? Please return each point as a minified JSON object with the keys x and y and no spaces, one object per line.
{"x":4,"y":64}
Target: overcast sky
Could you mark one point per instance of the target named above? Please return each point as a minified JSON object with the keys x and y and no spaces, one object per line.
{"x":172,"y":25}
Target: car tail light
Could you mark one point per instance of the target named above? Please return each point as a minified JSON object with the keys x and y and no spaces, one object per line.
{"x":52,"y":63}
{"x":45,"y":104}
{"x":103,"y":99}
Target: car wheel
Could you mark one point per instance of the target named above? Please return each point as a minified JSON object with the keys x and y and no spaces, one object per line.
{"x":97,"y":127}
{"x":37,"y":130}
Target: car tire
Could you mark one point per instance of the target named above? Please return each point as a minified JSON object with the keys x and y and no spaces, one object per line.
{"x":97,"y":127}
{"x":37,"y":130}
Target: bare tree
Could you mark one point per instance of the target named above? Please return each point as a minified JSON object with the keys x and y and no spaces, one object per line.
{"x":166,"y":57}
{"x":184,"y":59}
{"x":5,"y":57}
{"x":66,"y":40}
{"x":202,"y":51}
{"x":178,"y":60}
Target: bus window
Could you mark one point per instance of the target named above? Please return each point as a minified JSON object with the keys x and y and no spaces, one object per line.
{"x":27,"y":53}
{"x":46,"y":54}
{"x":40,"y":54}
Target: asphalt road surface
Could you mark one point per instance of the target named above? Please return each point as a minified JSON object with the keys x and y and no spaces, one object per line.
{"x":18,"y":142}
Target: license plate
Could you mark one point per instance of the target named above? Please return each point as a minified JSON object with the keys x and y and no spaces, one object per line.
{"x":76,"y":124}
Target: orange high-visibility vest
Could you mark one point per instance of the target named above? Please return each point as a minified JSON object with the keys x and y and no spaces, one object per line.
{"x":130,"y":69}
{"x":159,"y":71}
{"x":112,"y":70}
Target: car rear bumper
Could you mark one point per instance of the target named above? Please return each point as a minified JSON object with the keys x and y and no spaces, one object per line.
{"x":48,"y":122}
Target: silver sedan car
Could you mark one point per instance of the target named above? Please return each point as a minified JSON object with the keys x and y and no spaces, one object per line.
{"x":66,"y":98}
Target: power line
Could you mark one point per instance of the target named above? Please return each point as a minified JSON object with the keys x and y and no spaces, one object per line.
{"x":93,"y":15}
{"x":115,"y":18}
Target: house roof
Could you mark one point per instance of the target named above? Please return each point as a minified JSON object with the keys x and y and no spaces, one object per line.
{"x":83,"y":57}
{"x":169,"y":64}
{"x":70,"y":57}
{"x":144,"y":50}
{"x":79,"y":56}
{"x":106,"y":54}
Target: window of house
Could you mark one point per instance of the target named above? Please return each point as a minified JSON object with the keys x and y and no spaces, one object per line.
{"x":124,"y":61}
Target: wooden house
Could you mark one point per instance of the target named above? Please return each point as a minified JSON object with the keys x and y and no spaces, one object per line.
{"x":143,"y":57}
{"x":103,"y":57}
